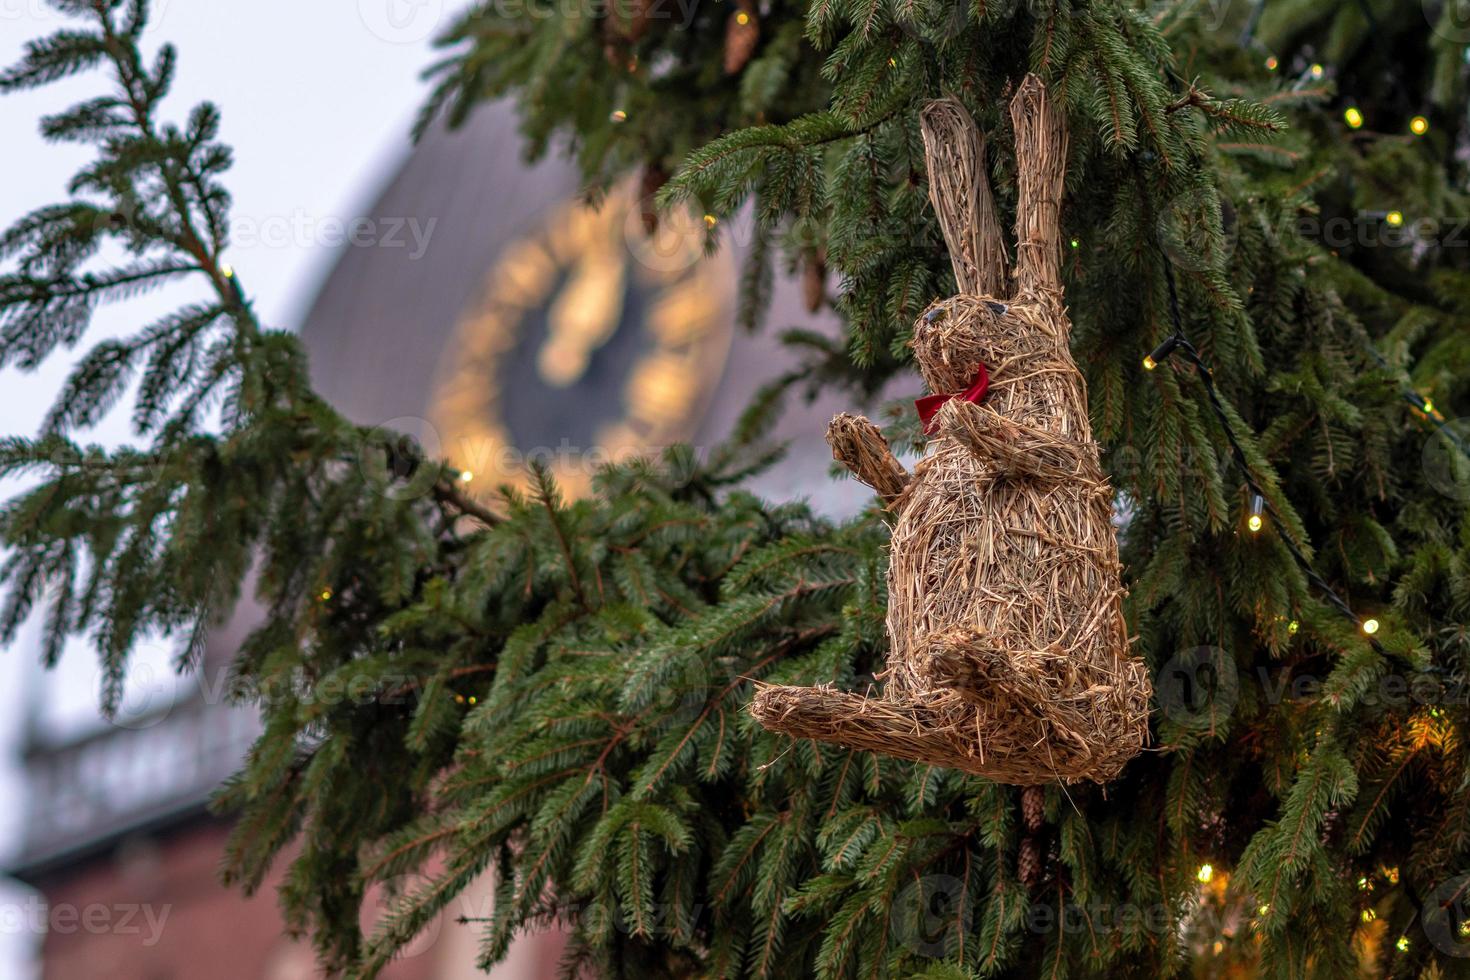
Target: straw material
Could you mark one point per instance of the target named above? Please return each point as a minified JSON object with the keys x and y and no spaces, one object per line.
{"x":1009,"y":654}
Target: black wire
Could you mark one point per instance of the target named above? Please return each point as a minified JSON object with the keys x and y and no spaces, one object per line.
{"x":1422,"y":404}
{"x":1237,"y":453}
{"x":1248,"y":33}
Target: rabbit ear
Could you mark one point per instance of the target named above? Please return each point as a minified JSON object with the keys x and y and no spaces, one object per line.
{"x":1041,"y":164}
{"x":959,"y":189}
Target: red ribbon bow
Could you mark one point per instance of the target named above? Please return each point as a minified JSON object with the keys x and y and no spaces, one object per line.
{"x":928,"y":406}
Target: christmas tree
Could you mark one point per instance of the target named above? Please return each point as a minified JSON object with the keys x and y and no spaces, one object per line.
{"x":1265,"y":261}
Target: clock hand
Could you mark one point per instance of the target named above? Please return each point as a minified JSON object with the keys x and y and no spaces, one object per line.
{"x":583,"y":317}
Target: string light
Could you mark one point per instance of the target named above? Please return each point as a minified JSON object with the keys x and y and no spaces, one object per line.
{"x":1257,"y":520}
{"x":1423,"y":404}
{"x":466,"y":476}
{"x":1272,"y":63}
{"x":1354,"y":117}
{"x":710,"y":221}
{"x":1370,"y":626}
{"x":618,"y":115}
{"x":1292,"y":627}
{"x":1394,"y":218}
{"x":1075,"y":243}
{"x":1402,"y":945}
{"x":1369,"y":915}
{"x":473,"y":699}
{"x":325,"y":595}
{"x":1418,"y":125}
{"x":1317,"y":71}
{"x":1179,"y":342}
{"x":1205,"y":873}
{"x":237,"y":292}
{"x":1160,"y":352}
{"x":742,"y":18}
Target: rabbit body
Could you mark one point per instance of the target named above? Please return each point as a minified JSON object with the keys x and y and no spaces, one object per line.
{"x":1008,"y":649}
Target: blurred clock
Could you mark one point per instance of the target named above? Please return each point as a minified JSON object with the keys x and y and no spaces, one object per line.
{"x":588,"y":342}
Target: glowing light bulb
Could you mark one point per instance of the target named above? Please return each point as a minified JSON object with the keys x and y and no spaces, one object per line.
{"x":1428,"y":405}
{"x":1369,"y":915}
{"x":1292,"y":627}
{"x":466,"y":476}
{"x":1354,"y":117}
{"x":1257,"y":519}
{"x":742,"y":18}
{"x":1370,"y":626}
{"x":1075,"y":243}
{"x":618,"y":115}
{"x":1272,"y":63}
{"x":1394,"y":218}
{"x":1160,"y":352}
{"x":1318,"y":71}
{"x":1402,"y":945}
{"x":227,"y":270}
{"x":1205,"y":873}
{"x":710,"y":221}
{"x":1418,"y":125}
{"x":325,"y":595}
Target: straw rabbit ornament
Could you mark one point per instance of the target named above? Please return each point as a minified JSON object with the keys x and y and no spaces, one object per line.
{"x":1008,"y":651}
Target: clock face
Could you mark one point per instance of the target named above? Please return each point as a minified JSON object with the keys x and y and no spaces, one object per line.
{"x":589,"y":342}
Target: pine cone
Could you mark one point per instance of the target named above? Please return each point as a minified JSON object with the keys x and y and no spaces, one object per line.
{"x":654,"y":178}
{"x":632,"y":26}
{"x":814,"y":281}
{"x":742,"y":33}
{"x":1033,"y":808}
{"x":1028,"y":863}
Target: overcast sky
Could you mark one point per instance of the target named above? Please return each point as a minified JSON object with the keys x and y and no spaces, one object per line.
{"x":317,"y":100}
